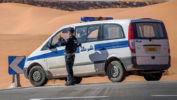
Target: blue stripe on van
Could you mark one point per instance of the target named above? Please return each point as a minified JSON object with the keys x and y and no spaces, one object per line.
{"x":48,"y":55}
{"x":106,"y":46}
{"x":111,"y":45}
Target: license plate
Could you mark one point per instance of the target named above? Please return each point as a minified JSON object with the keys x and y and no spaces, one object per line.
{"x":151,"y":49}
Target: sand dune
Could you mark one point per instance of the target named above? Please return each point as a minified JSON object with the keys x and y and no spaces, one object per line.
{"x":23,"y":28}
{"x":20,"y":18}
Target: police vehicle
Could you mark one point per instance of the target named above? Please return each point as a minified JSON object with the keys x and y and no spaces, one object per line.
{"x":116,"y":48}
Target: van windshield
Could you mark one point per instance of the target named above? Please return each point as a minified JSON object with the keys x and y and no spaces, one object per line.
{"x":150,"y":30}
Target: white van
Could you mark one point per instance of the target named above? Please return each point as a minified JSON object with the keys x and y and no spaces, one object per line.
{"x":116,"y":48}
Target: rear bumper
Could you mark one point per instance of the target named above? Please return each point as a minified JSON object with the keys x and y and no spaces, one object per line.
{"x":151,"y":67}
{"x":135,"y":66}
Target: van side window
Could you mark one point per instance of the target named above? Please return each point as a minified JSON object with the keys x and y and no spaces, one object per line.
{"x":81,"y":34}
{"x":62,"y":33}
{"x":54,"y":39}
{"x":112,"y":31}
{"x":93,"y":33}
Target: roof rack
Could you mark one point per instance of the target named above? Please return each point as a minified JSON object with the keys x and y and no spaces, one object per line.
{"x":88,"y":19}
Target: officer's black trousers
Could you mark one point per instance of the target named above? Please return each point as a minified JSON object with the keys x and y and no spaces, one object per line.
{"x":69,"y":60}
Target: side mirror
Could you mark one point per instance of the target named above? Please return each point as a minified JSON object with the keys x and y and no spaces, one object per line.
{"x":50,"y":46}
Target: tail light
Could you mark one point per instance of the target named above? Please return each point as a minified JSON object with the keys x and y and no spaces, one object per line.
{"x":167,"y":37}
{"x":130,"y":38}
{"x":134,"y":60}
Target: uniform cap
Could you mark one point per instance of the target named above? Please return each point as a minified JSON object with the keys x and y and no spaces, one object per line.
{"x":71,"y":29}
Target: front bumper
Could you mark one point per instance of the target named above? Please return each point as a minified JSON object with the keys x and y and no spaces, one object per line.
{"x":25,"y":71}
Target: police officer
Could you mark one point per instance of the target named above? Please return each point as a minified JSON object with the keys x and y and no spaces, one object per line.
{"x":71,"y":45}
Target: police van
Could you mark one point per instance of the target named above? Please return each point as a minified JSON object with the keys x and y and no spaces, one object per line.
{"x":116,"y":48}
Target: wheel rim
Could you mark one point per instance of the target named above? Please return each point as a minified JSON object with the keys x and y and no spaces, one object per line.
{"x":115,"y":71}
{"x":36,"y":76}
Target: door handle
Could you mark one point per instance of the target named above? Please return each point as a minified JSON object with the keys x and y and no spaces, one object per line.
{"x":83,"y":49}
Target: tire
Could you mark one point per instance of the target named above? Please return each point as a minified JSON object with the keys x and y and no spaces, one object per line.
{"x":153,"y":76}
{"x":37,"y":76}
{"x":115,"y":71}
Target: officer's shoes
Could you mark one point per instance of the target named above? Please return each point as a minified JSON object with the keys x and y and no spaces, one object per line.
{"x":69,"y":83}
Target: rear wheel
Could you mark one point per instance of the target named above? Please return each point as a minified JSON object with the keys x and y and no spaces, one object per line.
{"x":153,"y":76}
{"x":37,"y":76}
{"x":115,"y":71}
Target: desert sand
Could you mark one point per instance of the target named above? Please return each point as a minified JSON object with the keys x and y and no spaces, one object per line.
{"x":24,"y":27}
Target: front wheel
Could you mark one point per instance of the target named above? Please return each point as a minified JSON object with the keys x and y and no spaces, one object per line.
{"x":37,"y":76}
{"x":115,"y":71}
{"x":153,"y":76}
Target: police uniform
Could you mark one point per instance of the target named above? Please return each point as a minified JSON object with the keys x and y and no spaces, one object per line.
{"x":70,"y":49}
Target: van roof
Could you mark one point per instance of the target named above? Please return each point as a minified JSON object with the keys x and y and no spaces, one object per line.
{"x":113,"y":21}
{"x":145,"y":20}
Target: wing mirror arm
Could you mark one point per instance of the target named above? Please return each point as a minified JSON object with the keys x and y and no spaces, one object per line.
{"x":50,"y":46}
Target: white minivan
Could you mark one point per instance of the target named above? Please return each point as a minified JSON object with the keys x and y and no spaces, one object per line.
{"x":116,"y":48}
